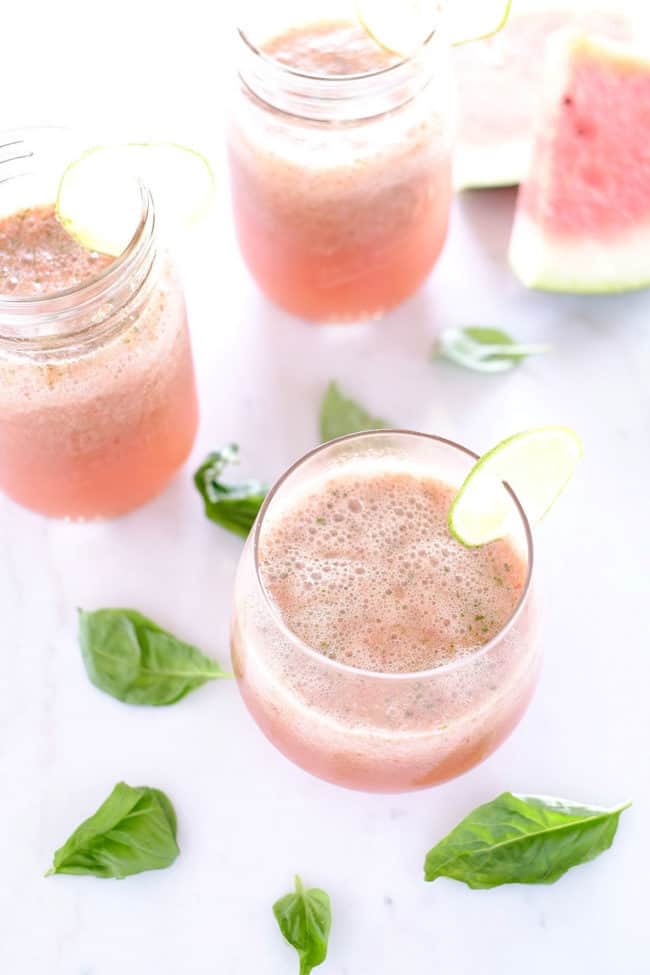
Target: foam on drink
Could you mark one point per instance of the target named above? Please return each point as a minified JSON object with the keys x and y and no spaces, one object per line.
{"x":364,"y":570}
{"x":96,"y":427}
{"x":332,"y":49}
{"x":37,"y":256}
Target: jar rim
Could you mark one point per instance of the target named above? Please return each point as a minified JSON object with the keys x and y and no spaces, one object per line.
{"x":336,"y":98}
{"x":390,"y":676}
{"x":287,"y":69}
{"x":51,"y":320}
{"x":23,"y":300}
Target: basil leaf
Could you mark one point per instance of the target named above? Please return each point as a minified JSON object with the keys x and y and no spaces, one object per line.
{"x":132,"y":831}
{"x":522,"y":840}
{"x":305,"y":919}
{"x":340,"y":415}
{"x":233,"y":506}
{"x":483,"y":349}
{"x":131,"y":658}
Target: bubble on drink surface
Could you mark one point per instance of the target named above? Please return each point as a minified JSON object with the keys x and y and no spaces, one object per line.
{"x":154,"y":333}
{"x":390,"y":591}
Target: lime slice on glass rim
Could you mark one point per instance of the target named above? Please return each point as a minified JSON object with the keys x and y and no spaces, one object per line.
{"x":536,"y":464}
{"x":402,"y":26}
{"x":99,"y":200}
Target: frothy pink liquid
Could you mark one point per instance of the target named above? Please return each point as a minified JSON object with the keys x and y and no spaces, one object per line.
{"x":340,"y":220}
{"x":39,"y":257}
{"x":96,"y":432}
{"x":364,"y":573}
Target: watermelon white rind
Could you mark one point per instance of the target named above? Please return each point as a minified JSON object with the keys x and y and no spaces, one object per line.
{"x":589,"y":267}
{"x":582,"y":223}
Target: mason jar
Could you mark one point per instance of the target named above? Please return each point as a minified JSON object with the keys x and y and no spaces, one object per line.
{"x":98,"y":403}
{"x":341,"y":183}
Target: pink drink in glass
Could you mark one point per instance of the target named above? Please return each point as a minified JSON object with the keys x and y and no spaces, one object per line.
{"x":97,"y":396}
{"x":340,"y":169}
{"x":372,"y":648}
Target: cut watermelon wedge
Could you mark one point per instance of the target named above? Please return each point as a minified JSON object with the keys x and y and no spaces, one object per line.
{"x":583,"y":213}
{"x":500,"y":84}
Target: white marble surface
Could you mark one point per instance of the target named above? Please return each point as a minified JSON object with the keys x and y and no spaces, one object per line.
{"x":248,"y":819}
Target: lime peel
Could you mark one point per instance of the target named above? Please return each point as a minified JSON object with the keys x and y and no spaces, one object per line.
{"x":86,"y":207}
{"x":403,"y":28}
{"x":536,"y":464}
{"x":206,"y":180}
{"x":399,"y":29}
{"x":100,"y":195}
{"x":489,"y":33}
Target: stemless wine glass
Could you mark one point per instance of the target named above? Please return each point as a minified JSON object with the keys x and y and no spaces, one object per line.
{"x":341,"y":183}
{"x":369,"y":730}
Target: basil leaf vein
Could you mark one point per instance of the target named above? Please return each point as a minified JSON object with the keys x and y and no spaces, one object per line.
{"x":340,"y":415}
{"x":233,"y":506}
{"x":134,"y":830}
{"x":131,"y":658}
{"x":484,"y":349}
{"x":522,"y":840}
{"x":305,"y":920}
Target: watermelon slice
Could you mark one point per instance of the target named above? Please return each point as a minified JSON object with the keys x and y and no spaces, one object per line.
{"x":500,"y":83}
{"x":583,"y":213}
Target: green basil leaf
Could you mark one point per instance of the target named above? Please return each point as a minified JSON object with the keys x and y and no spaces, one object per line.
{"x":233,"y":506}
{"x":131,"y":658}
{"x":305,"y":919}
{"x":340,"y":415}
{"x":522,"y":840}
{"x":483,"y":349}
{"x":132,"y":831}
{"x":485,"y":335}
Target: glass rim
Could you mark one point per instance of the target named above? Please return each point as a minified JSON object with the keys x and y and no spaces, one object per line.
{"x":72,"y":299}
{"x":336,"y":79}
{"x":348,"y":669}
{"x":22,"y":301}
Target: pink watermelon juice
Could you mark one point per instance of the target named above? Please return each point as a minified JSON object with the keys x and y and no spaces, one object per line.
{"x":340,"y":170}
{"x":97,"y":398}
{"x":584,"y":208}
{"x":373,"y":649}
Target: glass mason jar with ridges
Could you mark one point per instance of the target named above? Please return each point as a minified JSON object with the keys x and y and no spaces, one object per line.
{"x":98,"y":403}
{"x":340,"y":162}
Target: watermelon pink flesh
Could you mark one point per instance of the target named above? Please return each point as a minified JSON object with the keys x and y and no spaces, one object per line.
{"x":499,"y":89}
{"x":596,"y":148}
{"x":583,"y":213}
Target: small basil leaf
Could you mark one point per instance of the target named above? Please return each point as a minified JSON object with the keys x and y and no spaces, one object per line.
{"x":485,"y":335}
{"x":129,"y":657}
{"x":522,"y":840}
{"x":233,"y":506}
{"x":305,"y":919}
{"x":340,"y":415}
{"x":483,"y":349}
{"x":132,"y":831}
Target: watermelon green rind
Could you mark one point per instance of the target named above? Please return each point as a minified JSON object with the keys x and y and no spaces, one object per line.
{"x":584,"y":262}
{"x":487,"y":167}
{"x":588,"y":267}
